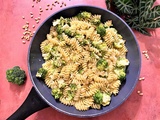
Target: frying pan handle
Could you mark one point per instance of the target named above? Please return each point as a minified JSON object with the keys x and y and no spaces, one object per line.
{"x":32,"y":104}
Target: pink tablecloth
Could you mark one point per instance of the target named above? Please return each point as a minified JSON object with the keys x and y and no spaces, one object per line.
{"x":14,"y":52}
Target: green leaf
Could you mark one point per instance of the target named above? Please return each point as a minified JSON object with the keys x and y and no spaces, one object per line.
{"x":152,"y":24}
{"x":108,"y":3}
{"x":125,"y":6}
{"x":154,"y":13}
{"x":136,"y":2}
{"x":132,"y":21}
{"x":143,"y":31}
{"x":144,"y":9}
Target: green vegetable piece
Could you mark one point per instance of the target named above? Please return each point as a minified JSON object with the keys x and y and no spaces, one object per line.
{"x":95,"y":43}
{"x":102,"y":64}
{"x":47,"y":56}
{"x":98,"y":97}
{"x":16,"y":75}
{"x":79,"y":37}
{"x":101,"y":98}
{"x":41,"y":73}
{"x":106,"y":99}
{"x":61,"y":84}
{"x":86,"y":15}
{"x":70,"y":95}
{"x":84,"y":42}
{"x":73,"y":87}
{"x":95,"y":21}
{"x":80,"y":71}
{"x":93,"y":55}
{"x":118,"y":44}
{"x":56,"y":92}
{"x":102,"y":46}
{"x":120,"y":73}
{"x":47,"y":48}
{"x":101,"y":30}
{"x":122,"y":62}
{"x":60,"y":38}
{"x":69,"y":32}
{"x":59,"y":29}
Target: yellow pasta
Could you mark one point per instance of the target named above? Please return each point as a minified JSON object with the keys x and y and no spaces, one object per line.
{"x":85,"y":61}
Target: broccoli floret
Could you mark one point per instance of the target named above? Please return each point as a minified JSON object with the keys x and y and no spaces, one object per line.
{"x":58,"y":62}
{"x":79,"y":37}
{"x":96,"y":21}
{"x":70,"y":95}
{"x":96,"y":43}
{"x":60,"y":38}
{"x":120,"y":73}
{"x":63,"y":21}
{"x":98,"y":97}
{"x":59,"y":29}
{"x":73,"y":87}
{"x":56,"y":92}
{"x":16,"y":75}
{"x":118,"y":44}
{"x":56,"y":22}
{"x":47,"y":56}
{"x":41,"y":73}
{"x":102,"y":64}
{"x":101,"y":98}
{"x":69,"y":32}
{"x":60,"y":25}
{"x":47,"y":48}
{"x":101,"y":30}
{"x":61,"y":83}
{"x":84,"y":42}
{"x":106,"y":99}
{"x":93,"y":55}
{"x":102,"y":46}
{"x":71,"y":91}
{"x":80,"y":71}
{"x":122,"y":62}
{"x":86,"y":15}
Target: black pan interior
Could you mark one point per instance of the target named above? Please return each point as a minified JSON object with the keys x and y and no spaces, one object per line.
{"x":35,"y":60}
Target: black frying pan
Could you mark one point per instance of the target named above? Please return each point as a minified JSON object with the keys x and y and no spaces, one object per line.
{"x":40,"y":96}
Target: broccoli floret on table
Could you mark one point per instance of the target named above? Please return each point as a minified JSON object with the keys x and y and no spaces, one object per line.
{"x":16,"y":75}
{"x":41,"y":73}
{"x":101,"y":30}
{"x":101,"y":98}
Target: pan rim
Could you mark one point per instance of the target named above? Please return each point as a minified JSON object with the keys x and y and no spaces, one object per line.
{"x":82,"y":115}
